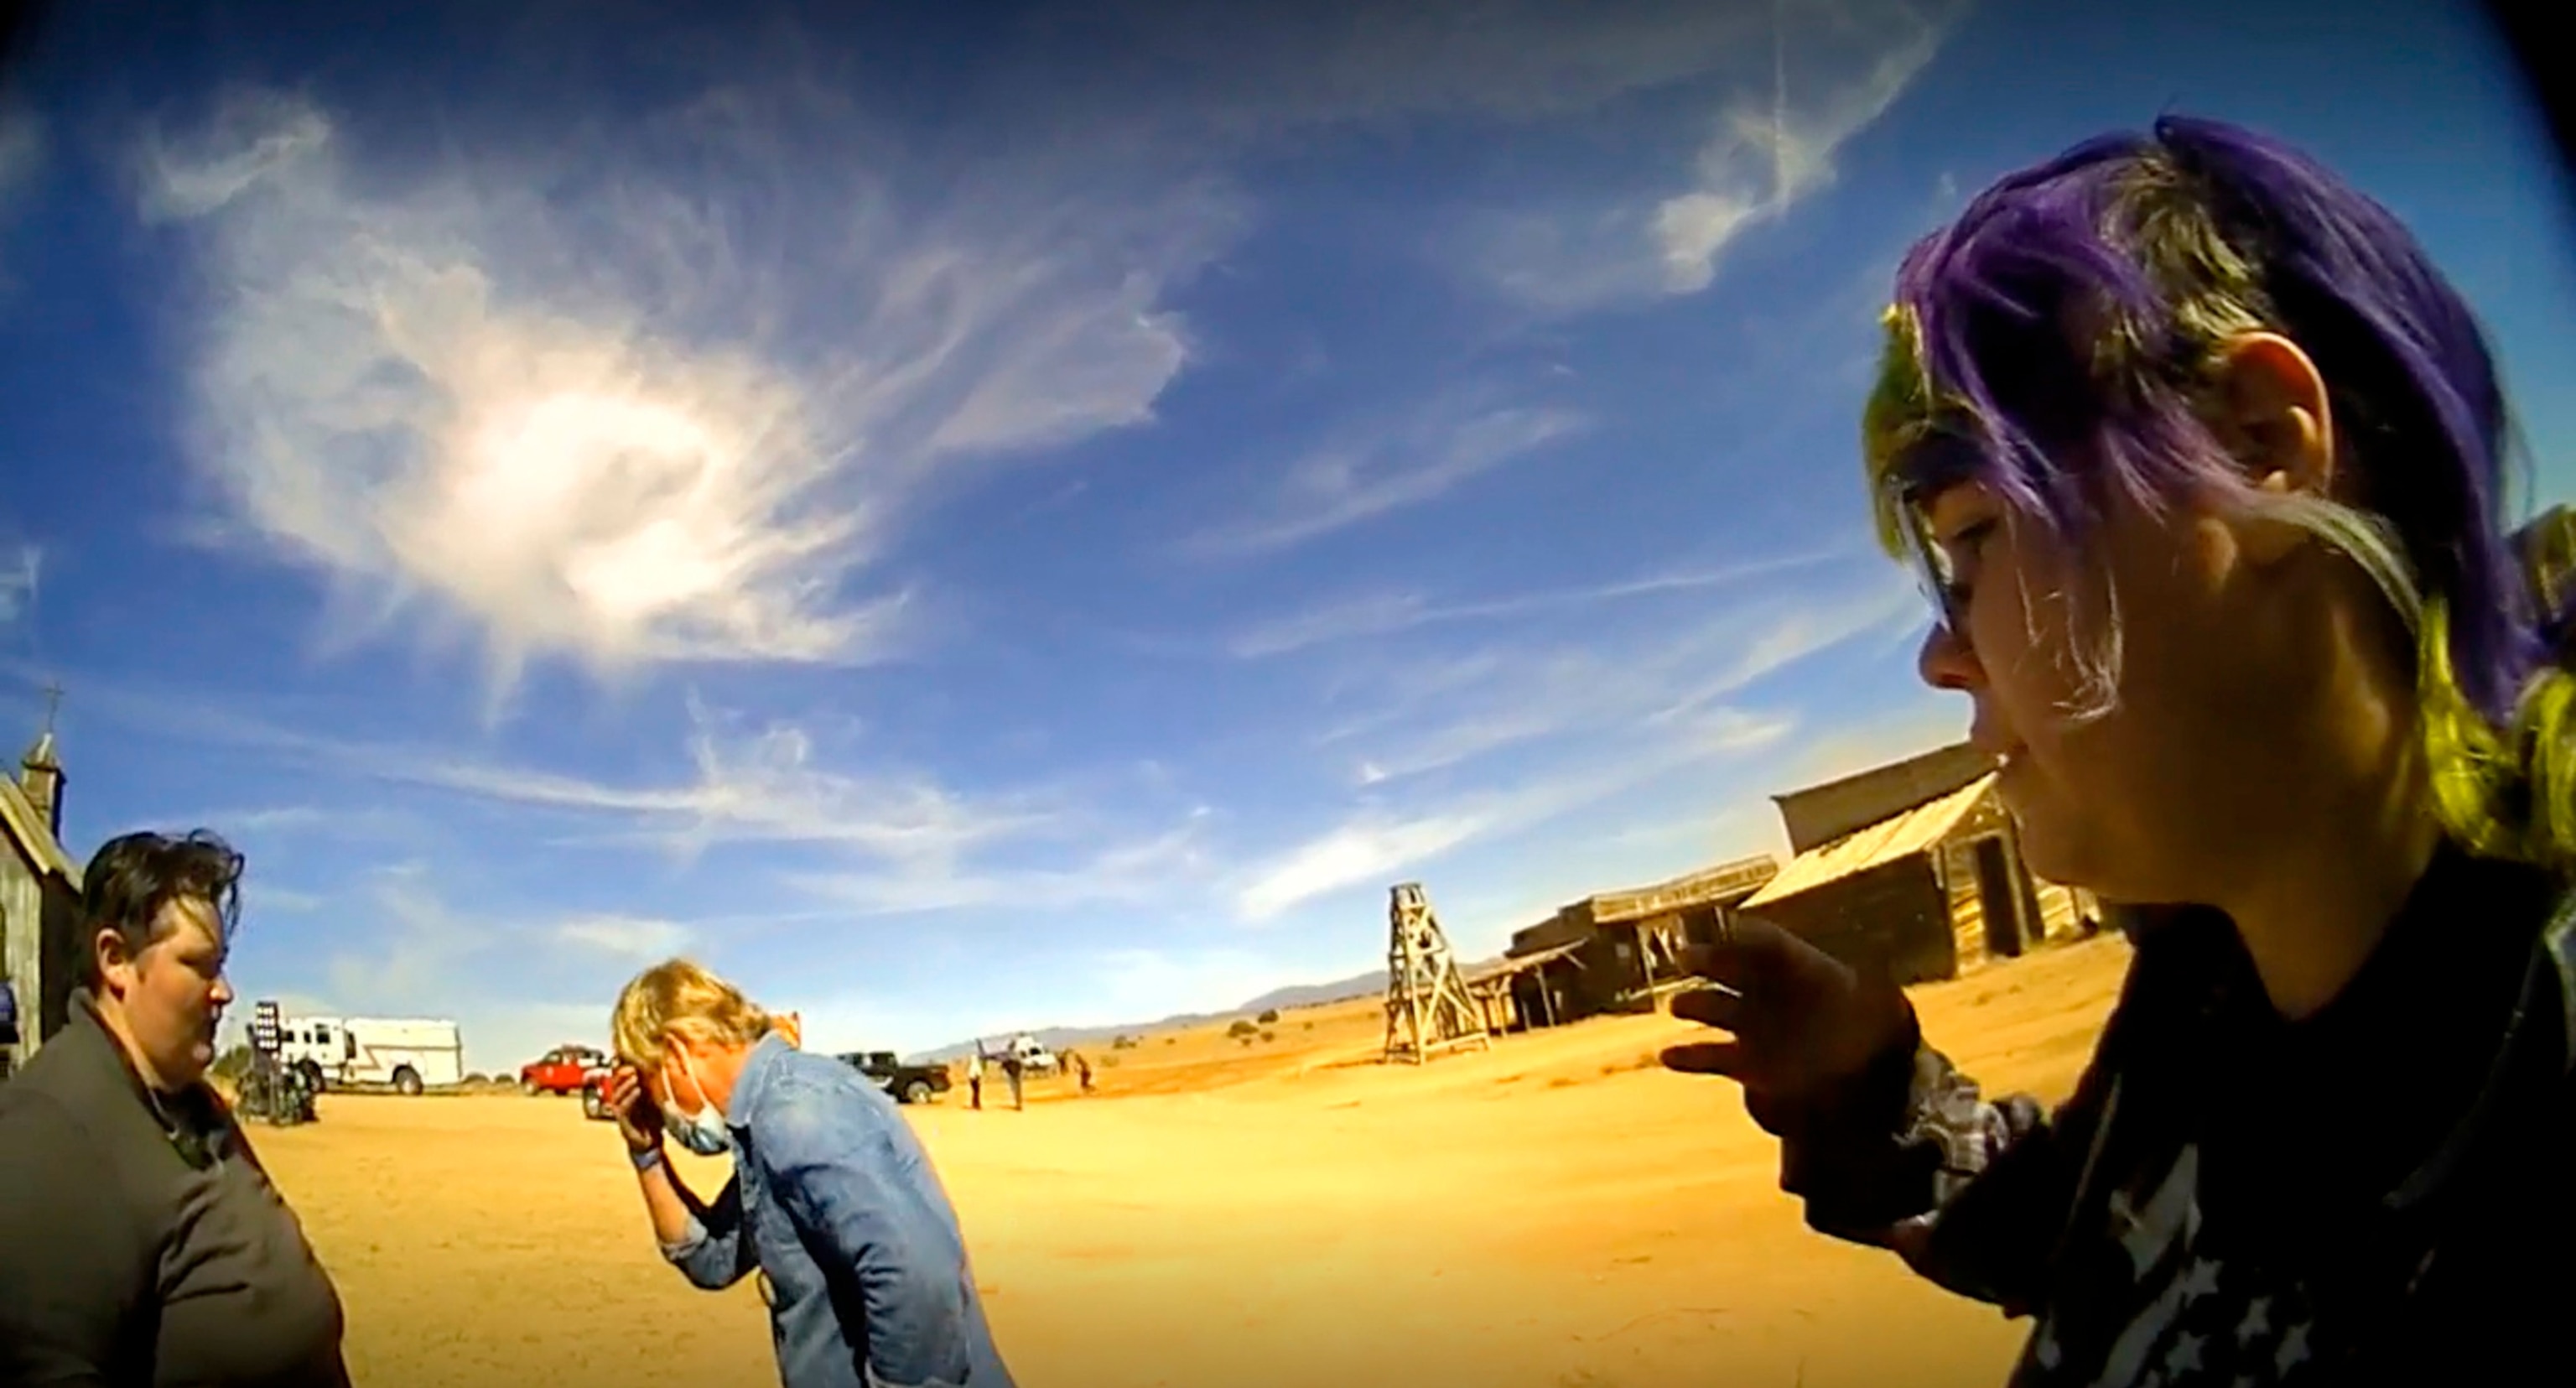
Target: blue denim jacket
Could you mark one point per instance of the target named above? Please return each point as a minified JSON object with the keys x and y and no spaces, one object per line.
{"x":833,"y":1199}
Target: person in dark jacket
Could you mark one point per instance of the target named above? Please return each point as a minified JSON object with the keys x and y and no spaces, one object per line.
{"x":141,"y":1242}
{"x":2202,"y":459}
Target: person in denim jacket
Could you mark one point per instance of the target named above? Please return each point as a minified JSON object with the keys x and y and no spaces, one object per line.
{"x":2204,"y":463}
{"x":832,"y":1200}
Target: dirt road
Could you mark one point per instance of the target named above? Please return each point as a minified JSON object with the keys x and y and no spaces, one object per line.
{"x":1554,"y":1211}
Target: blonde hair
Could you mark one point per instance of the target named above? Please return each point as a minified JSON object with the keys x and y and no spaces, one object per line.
{"x":680,"y":997}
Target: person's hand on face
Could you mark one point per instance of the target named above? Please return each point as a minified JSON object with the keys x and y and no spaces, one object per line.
{"x":639,"y":1118}
{"x":1803,"y":1021}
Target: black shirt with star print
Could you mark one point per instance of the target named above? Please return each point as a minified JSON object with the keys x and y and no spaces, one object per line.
{"x":2383,"y":1191}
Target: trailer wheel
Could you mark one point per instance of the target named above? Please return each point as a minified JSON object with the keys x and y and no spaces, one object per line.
{"x":593,"y":1106}
{"x":528,"y":1087}
{"x":917,"y":1092}
{"x":406,"y":1080}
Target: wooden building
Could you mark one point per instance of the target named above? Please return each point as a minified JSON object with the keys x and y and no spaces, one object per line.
{"x":1916,"y":869}
{"x":1615,"y":952}
{"x":39,"y":904}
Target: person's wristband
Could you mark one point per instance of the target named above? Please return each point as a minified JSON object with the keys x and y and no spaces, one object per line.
{"x":647,"y":1159}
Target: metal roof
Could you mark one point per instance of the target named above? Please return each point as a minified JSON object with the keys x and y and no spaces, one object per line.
{"x":1522,"y":962}
{"x":1716,"y":884}
{"x":1898,"y":836}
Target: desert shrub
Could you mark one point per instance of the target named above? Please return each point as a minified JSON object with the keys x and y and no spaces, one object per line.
{"x":1171,"y":1040}
{"x":1309,"y":1026}
{"x":1241,"y":1028}
{"x":1270,"y":1014}
{"x":478,"y":1078}
{"x":1122,"y":1043}
{"x":1268,"y":1035}
{"x":1109,"y":1062}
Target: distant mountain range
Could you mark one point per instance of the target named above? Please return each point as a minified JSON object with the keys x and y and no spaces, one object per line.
{"x":1370,"y":984}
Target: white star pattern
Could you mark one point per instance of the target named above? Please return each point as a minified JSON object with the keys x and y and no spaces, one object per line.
{"x":2293,"y":1352}
{"x":2258,"y":1321}
{"x":2201,"y":1281}
{"x":2184,"y":1357}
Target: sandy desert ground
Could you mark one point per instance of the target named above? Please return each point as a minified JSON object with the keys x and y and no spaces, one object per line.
{"x":1554,"y":1211}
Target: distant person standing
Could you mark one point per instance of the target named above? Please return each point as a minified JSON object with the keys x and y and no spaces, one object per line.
{"x":1012,"y":1066}
{"x":141,"y":1243}
{"x":832,"y":1198}
{"x":975,"y":1079}
{"x":1082,"y":1067}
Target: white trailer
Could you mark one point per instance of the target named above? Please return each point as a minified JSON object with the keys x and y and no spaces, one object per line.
{"x":409,"y":1054}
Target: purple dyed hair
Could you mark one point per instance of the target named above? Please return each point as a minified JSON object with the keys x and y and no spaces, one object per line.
{"x":2055,"y":343}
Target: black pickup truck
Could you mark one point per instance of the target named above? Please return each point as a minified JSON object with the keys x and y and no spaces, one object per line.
{"x":909,"y":1084}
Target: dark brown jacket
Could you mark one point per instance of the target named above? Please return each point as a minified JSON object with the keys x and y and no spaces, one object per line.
{"x":141,"y":1243}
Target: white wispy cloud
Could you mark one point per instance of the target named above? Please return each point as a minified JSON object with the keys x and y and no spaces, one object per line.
{"x":1564,"y":728}
{"x":662,"y":395}
{"x":18,"y":582}
{"x":763,"y":783}
{"x":638,"y":938}
{"x":1365,"y":851}
{"x":911,"y":842}
{"x":1247,"y":71}
{"x":765,"y":786}
{"x":1835,"y":67}
{"x":413,"y":956}
{"x":1145,"y":869}
{"x":1644,"y":682}
{"x":1388,"y":614}
{"x":1378,"y":467}
{"x":1376,"y":845}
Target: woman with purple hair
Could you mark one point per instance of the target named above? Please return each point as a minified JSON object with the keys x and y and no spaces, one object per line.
{"x":2203,"y":463}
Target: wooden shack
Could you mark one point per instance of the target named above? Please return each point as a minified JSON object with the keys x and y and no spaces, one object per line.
{"x":40,"y":958}
{"x":1914,"y":868}
{"x":1614,"y":952}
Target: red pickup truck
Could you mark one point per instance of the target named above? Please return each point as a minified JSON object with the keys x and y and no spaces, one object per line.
{"x":562,"y":1070}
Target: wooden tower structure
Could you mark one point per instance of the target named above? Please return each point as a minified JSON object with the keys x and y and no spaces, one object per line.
{"x":1428,"y":1010}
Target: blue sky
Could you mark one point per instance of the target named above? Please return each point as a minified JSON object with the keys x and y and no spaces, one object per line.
{"x":966,"y":521}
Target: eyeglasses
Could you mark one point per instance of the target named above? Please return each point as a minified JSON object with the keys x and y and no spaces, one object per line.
{"x":1929,"y":565}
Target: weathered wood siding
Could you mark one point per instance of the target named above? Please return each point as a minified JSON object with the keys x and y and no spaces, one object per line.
{"x":2061,"y":908}
{"x":22,"y":944}
{"x":1887,"y":917}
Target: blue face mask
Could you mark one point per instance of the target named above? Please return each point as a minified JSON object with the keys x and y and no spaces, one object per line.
{"x":700,"y":1131}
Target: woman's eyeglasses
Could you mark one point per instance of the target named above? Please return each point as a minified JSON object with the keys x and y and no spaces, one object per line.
{"x":1930,"y":566}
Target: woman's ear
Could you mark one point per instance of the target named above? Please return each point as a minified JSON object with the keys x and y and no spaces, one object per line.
{"x":2272,"y":413}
